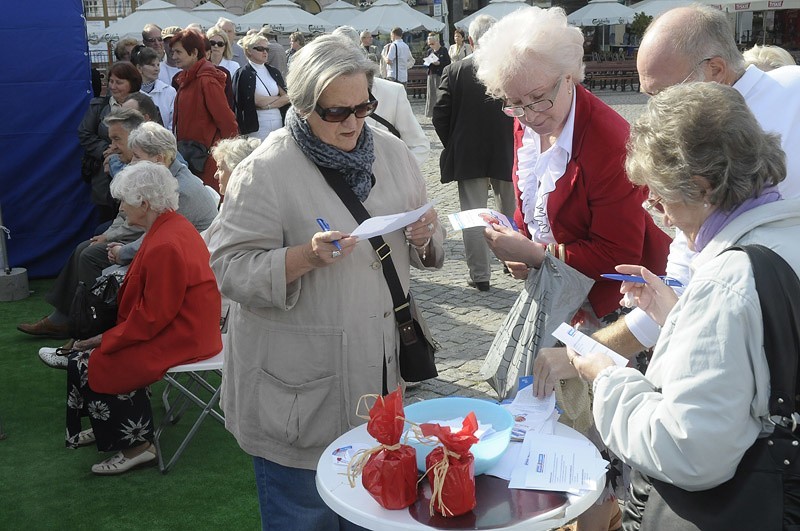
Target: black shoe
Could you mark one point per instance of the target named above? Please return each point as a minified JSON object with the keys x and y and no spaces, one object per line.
{"x":480,"y":286}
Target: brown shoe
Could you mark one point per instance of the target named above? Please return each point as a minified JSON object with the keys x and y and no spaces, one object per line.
{"x":45,"y":328}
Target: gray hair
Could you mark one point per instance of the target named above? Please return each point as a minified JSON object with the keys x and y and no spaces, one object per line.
{"x":146,"y":181}
{"x":229,"y":152}
{"x":148,"y":28}
{"x":528,"y":42}
{"x":365,"y":34}
{"x":154,"y":140}
{"x":348,"y":32}
{"x":479,"y":26}
{"x":705,"y":130}
{"x":768,"y":57}
{"x":317,"y":64}
{"x":433,"y":37}
{"x":705,"y":34}
{"x":129,"y":119}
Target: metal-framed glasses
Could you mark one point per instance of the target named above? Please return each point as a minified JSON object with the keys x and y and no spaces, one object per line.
{"x":654,"y":204}
{"x":153,"y":39}
{"x":695,"y":70}
{"x":518,"y":111}
{"x":340,"y":114}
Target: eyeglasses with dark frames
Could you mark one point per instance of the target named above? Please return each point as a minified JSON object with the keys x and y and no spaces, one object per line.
{"x":518,"y":111}
{"x":261,"y":48}
{"x":340,"y":114}
{"x":218,"y":44}
{"x":153,"y":39}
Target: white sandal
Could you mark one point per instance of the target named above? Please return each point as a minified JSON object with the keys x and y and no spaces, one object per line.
{"x":119,"y":464}
{"x":86,"y":437}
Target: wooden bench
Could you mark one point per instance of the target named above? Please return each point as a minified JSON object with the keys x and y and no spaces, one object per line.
{"x":417,"y":85}
{"x":611,"y":74}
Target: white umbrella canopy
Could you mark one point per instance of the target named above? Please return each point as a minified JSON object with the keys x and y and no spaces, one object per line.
{"x":384,"y":15}
{"x":653,"y":8}
{"x":211,"y":12}
{"x":340,"y":13}
{"x":496,"y":8}
{"x":601,"y":13}
{"x":158,"y":12}
{"x":285,"y":17}
{"x":735,"y":6}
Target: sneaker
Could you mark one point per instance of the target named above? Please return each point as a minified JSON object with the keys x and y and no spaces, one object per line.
{"x":51,"y":358}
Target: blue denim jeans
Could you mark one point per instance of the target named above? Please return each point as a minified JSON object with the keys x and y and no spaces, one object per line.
{"x":289,"y":500}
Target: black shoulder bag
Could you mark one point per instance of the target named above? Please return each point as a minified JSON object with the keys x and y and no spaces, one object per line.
{"x":94,"y":310}
{"x":417,"y":348}
{"x":764,"y":493}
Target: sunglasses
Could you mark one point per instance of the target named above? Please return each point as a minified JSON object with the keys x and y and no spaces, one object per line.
{"x":153,"y":39}
{"x":260,"y":48}
{"x":340,"y":114}
{"x":653,"y":204}
{"x":218,"y":44}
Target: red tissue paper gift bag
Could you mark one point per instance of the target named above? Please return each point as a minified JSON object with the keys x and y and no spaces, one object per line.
{"x":388,"y":471}
{"x":451,"y":468}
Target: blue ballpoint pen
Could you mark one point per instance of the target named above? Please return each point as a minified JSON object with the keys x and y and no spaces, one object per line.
{"x":324,"y":226}
{"x":669,"y":281}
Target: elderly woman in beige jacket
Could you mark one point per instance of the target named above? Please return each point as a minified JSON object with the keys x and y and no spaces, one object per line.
{"x":311,"y":326}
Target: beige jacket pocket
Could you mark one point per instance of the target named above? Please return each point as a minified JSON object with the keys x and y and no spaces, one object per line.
{"x":307,"y":415}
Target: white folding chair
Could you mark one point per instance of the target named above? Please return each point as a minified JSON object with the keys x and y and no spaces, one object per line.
{"x":196,"y":382}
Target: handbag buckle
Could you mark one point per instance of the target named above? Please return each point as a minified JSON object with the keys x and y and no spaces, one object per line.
{"x":407,"y":333}
{"x":386,"y":254}
{"x":789,"y":422}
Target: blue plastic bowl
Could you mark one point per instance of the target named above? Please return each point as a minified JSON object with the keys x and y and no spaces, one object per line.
{"x":488,"y":451}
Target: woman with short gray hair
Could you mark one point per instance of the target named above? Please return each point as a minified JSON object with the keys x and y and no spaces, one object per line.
{"x":571,"y":190}
{"x":168,"y":313}
{"x":156,"y":141}
{"x":702,"y":411}
{"x":312,"y":320}
{"x":228,"y":153}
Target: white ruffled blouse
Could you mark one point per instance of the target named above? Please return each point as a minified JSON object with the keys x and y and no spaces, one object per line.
{"x":538,"y":173}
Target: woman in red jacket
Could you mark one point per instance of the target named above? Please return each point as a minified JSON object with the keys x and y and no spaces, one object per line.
{"x":573,"y":195}
{"x":202,"y":112}
{"x":168,"y":314}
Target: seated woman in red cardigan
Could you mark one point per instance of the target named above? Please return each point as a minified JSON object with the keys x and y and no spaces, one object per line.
{"x":168,"y":314}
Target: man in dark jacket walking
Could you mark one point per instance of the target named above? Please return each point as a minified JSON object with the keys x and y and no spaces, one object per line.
{"x":478,"y":149}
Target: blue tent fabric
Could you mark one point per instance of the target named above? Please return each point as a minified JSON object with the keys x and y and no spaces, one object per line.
{"x":45,"y":93}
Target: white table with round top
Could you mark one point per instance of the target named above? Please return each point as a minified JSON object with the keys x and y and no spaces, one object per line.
{"x":498,"y":507}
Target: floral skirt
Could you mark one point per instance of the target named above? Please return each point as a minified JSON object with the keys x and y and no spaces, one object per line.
{"x":119,"y":421}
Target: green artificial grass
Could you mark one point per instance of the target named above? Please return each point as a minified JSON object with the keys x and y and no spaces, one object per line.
{"x":44,"y":485}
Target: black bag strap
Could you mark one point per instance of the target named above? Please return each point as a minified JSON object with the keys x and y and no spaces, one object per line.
{"x":386,"y":123}
{"x":779,"y":296}
{"x":402,"y":307}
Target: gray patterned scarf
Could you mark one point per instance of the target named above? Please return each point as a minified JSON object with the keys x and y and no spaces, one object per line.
{"x":355,"y":166}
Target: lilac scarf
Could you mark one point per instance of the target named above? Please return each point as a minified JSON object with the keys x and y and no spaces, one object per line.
{"x":718,"y":219}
